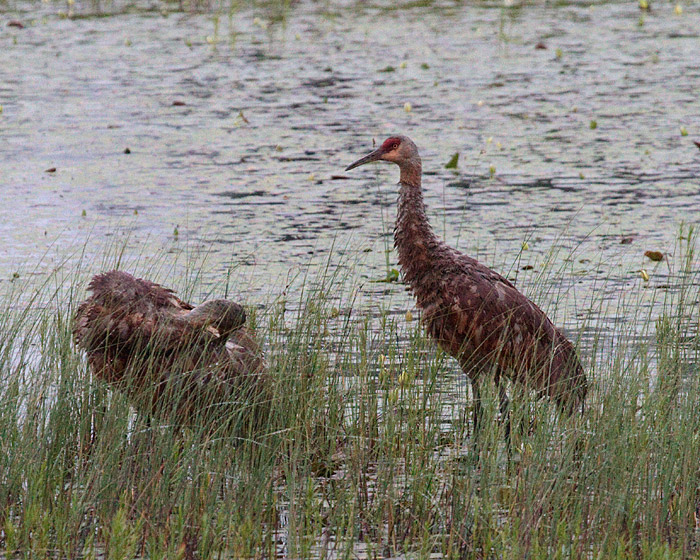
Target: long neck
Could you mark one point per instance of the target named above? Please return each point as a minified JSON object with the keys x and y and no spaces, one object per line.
{"x":414,"y":239}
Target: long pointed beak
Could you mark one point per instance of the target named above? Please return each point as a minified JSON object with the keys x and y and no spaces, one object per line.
{"x":374,"y":156}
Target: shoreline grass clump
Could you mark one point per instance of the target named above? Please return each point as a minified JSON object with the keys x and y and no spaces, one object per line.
{"x":365,"y":449}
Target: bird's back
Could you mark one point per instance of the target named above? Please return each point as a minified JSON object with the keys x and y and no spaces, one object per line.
{"x":125,"y":311}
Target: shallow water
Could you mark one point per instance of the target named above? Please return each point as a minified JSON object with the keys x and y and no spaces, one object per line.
{"x":240,"y":120}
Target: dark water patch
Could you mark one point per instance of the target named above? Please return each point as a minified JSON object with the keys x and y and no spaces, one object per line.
{"x":235,"y":195}
{"x":461,"y":184}
{"x":297,"y":158}
{"x":287,"y":237}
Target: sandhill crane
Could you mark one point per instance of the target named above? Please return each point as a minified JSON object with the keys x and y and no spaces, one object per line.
{"x":187,"y":363}
{"x":474,"y":313}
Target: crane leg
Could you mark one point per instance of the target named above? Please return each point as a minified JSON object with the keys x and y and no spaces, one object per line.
{"x":504,"y":407}
{"x":478,"y":410}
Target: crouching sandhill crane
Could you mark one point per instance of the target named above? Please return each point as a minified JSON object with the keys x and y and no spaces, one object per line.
{"x":186,"y":363}
{"x":474,"y":313}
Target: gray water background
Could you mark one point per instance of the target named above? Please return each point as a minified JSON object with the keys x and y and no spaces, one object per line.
{"x":569,"y":121}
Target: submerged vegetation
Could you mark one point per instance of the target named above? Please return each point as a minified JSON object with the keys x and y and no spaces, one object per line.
{"x":365,"y":450}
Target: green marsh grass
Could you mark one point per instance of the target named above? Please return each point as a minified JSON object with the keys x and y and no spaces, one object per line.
{"x":365,"y":448}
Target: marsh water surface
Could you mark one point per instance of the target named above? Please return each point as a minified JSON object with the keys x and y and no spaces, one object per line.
{"x":570,"y":121}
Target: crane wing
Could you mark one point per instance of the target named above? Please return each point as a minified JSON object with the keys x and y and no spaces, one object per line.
{"x":124,"y":310}
{"x":484,"y":321}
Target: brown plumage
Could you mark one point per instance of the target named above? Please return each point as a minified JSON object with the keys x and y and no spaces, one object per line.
{"x":474,"y":313}
{"x":172,"y":359}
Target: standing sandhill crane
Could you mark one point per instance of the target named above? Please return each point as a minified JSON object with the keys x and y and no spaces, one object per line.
{"x":474,"y":313}
{"x":170,"y":358}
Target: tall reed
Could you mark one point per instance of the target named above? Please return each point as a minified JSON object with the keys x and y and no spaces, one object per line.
{"x":364,"y":447}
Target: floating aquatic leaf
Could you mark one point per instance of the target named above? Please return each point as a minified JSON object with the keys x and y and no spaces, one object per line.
{"x":527,"y":267}
{"x":178,"y":103}
{"x":593,"y":124}
{"x":540,"y":46}
{"x":50,"y":170}
{"x":403,"y":64}
{"x":626,"y":240}
{"x":84,"y":213}
{"x":407,"y":107}
{"x":387,"y":69}
{"x":678,"y":10}
{"x":645,"y":275}
{"x":492,"y":170}
{"x":581,"y":176}
{"x":409,"y":316}
{"x":655,"y":256}
{"x":176,"y":232}
{"x":643,"y":4}
{"x":452,"y":164}
{"x":558,"y":53}
{"x":391,"y":276}
{"x":425,"y":66}
{"x":525,"y":246}
{"x":684,"y":131}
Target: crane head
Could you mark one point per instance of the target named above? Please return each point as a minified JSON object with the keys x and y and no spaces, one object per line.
{"x":396,"y":149}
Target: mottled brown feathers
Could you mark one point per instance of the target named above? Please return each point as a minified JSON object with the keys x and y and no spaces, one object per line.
{"x":167,"y":355}
{"x":478,"y":316}
{"x":474,"y":313}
